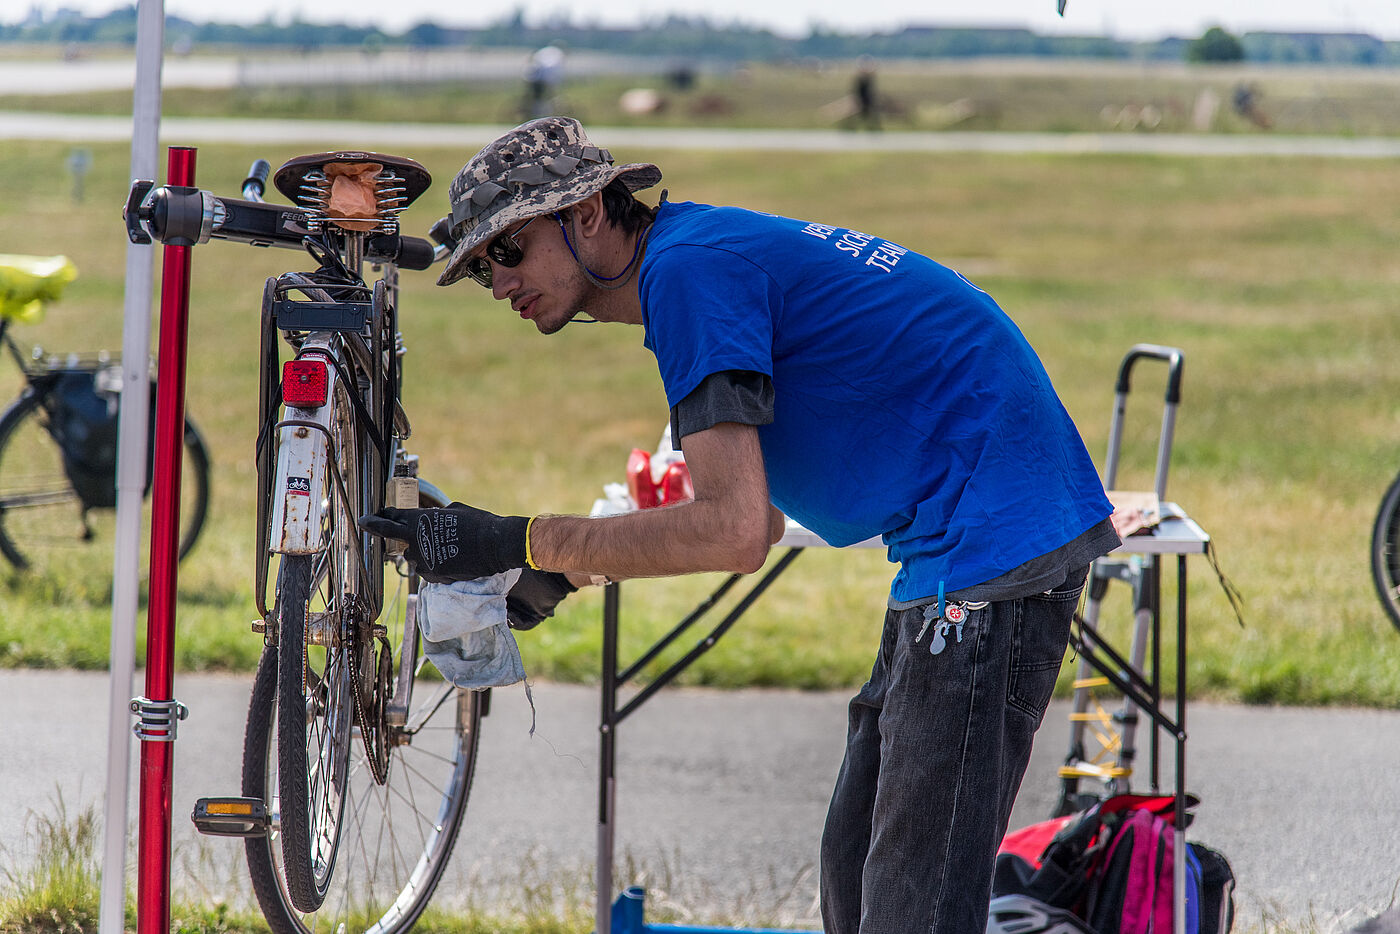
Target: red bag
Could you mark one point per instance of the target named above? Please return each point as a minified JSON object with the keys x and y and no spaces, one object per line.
{"x":1029,"y":842}
{"x":1105,"y":864}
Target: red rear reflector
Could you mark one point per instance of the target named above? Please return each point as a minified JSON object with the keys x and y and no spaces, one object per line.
{"x":304,"y":383}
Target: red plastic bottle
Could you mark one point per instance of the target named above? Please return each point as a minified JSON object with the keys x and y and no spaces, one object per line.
{"x":639,"y":482}
{"x":675,"y":484}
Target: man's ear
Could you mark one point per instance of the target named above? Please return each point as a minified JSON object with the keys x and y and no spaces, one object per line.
{"x":589,"y":215}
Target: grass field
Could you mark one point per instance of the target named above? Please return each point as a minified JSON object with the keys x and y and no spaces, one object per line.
{"x":1275,"y":276}
{"x":58,"y":892}
{"x":1001,"y":94}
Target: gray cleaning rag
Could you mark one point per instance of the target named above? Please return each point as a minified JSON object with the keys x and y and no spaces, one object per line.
{"x":465,"y":632}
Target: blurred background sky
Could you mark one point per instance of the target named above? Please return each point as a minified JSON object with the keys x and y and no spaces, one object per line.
{"x":1123,"y":19}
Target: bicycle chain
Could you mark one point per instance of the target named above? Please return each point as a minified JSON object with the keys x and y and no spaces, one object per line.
{"x":374,"y":732}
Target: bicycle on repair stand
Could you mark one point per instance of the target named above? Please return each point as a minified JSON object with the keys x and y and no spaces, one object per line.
{"x":355,"y":771}
{"x":58,"y":445}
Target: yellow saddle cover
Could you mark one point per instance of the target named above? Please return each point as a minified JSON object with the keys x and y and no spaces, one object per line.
{"x":28,"y":282}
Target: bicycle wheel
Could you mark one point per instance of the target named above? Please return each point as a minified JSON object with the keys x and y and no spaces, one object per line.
{"x":318,"y":602}
{"x":396,"y":838}
{"x":1385,"y":552}
{"x":46,"y":529}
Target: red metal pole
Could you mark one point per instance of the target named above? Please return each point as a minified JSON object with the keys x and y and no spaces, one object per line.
{"x":153,"y":877}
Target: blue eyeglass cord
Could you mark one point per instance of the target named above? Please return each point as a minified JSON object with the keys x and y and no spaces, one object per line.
{"x":636,"y":250}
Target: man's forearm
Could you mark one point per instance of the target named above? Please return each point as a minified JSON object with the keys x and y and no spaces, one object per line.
{"x":728,"y":526}
{"x":682,"y":539}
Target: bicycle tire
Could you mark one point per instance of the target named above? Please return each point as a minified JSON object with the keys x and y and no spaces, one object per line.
{"x":403,"y":833}
{"x":316,"y":602}
{"x":313,"y":749}
{"x":45,"y":529}
{"x":1385,"y":552}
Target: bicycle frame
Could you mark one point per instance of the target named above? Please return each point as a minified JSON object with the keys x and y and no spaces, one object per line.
{"x":350,"y":325}
{"x":297,"y":475}
{"x":10,"y":343}
{"x":329,"y":450}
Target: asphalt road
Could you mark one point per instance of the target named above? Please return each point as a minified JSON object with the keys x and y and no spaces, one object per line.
{"x":39,"y":76}
{"x":721,"y":795}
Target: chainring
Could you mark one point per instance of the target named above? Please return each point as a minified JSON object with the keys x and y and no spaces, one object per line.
{"x":371,"y":677}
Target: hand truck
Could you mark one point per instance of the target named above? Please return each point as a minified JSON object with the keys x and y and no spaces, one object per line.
{"x":1102,"y":744}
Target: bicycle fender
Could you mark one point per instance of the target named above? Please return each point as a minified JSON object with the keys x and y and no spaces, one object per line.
{"x":302,"y":484}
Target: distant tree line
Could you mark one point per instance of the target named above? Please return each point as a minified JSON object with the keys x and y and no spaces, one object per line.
{"x":702,"y":38}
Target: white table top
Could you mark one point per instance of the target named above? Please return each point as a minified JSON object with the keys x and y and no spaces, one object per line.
{"x":798,"y":536}
{"x":1176,"y":534}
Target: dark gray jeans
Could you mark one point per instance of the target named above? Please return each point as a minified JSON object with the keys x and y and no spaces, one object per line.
{"x":934,"y":757}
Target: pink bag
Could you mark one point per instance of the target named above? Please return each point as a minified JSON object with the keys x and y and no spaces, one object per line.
{"x":1132,"y":892}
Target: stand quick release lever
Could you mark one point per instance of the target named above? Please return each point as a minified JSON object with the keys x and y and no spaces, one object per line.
{"x":180,"y":216}
{"x":132,"y":212}
{"x":175,"y":215}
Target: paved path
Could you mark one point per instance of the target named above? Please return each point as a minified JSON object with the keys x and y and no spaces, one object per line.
{"x":721,"y":794}
{"x":394,"y":136}
{"x":39,"y":76}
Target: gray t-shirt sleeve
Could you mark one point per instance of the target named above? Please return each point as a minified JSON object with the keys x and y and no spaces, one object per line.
{"x":742,"y":396}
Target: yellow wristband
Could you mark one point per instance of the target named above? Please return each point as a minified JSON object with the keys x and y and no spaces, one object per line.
{"x":530,"y":558}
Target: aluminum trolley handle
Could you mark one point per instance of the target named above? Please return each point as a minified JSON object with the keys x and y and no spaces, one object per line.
{"x":1173,"y":357}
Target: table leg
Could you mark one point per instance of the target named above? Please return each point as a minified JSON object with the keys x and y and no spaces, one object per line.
{"x":607,"y":760}
{"x":1179,"y":867}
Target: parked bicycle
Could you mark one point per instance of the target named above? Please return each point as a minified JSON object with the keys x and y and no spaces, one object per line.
{"x":58,"y":448}
{"x":355,"y":770}
{"x":1385,"y":552}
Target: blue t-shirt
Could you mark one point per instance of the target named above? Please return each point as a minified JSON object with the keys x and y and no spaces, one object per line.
{"x":906,"y":403}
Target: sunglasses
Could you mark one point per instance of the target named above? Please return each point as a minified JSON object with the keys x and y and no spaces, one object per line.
{"x":503,"y":250}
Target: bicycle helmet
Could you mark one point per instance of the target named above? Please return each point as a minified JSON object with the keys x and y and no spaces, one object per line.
{"x":1021,"y":914}
{"x":545,"y":165}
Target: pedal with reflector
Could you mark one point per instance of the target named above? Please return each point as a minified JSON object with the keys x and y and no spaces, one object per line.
{"x":231,"y":817}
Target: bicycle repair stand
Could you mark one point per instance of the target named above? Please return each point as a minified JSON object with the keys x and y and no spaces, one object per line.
{"x":624,"y":916}
{"x":627,"y":919}
{"x":157,"y":711}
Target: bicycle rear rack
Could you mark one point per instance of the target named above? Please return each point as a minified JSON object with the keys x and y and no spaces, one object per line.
{"x":280,"y":313}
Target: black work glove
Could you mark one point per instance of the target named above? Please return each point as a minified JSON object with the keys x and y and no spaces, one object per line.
{"x":454,"y":543}
{"x":535,"y":595}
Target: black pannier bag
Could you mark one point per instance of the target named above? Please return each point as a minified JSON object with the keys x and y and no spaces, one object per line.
{"x":83,"y":419}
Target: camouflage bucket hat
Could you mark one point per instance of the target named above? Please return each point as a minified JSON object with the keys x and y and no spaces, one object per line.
{"x":541,"y":166}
